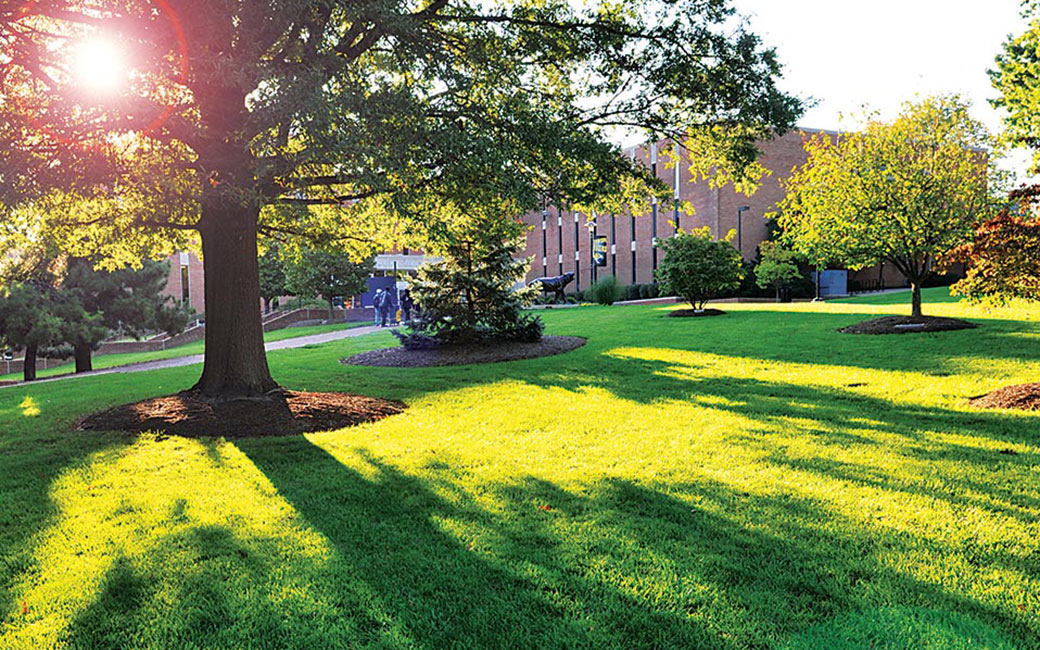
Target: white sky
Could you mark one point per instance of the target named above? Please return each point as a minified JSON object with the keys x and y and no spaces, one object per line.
{"x":881,"y":53}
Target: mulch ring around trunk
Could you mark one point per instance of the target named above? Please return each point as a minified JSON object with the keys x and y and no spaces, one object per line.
{"x":695,"y":313}
{"x":907,"y":325}
{"x":1024,"y":397}
{"x":281,"y":413}
{"x":457,"y":355}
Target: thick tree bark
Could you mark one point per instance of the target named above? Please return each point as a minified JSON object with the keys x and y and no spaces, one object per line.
{"x":915,"y":290}
{"x":29,"y":365}
{"x":235,"y":361}
{"x":332,"y":310}
{"x":84,"y":362}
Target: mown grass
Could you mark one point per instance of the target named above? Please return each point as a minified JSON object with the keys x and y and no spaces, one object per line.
{"x":102,"y":361}
{"x":755,"y":480}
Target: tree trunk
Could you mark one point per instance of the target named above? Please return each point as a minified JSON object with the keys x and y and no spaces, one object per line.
{"x":915,"y":290}
{"x":332,"y":310}
{"x":235,"y":361}
{"x":778,"y":293}
{"x":84,"y":362}
{"x":29,"y":365}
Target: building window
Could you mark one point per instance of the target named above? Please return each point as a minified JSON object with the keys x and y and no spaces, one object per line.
{"x":185,"y":287}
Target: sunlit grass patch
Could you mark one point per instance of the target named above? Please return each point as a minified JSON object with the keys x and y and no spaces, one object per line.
{"x":753,"y":481}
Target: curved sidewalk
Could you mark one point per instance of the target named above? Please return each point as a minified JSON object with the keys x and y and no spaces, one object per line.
{"x":177,"y":362}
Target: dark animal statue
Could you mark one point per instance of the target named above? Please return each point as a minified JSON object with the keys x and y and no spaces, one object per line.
{"x":555,"y":285}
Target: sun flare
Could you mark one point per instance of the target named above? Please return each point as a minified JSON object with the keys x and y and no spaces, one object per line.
{"x":99,"y":65}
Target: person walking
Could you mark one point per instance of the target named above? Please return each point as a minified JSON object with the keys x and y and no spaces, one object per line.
{"x":406,"y":305}
{"x":375,"y":306}
{"x":386,"y":306}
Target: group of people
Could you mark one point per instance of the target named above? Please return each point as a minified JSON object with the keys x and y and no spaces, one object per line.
{"x":385,"y":309}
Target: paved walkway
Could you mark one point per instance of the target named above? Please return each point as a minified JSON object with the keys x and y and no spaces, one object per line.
{"x":177,"y":362}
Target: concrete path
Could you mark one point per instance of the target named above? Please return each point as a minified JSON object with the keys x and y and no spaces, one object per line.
{"x":177,"y":362}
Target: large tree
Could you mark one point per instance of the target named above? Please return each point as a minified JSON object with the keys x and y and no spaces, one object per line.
{"x":902,"y":192}
{"x":308,"y":117}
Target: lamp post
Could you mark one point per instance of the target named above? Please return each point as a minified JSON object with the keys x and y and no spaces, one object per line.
{"x":740,"y":241}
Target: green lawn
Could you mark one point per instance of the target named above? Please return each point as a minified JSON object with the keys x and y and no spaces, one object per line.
{"x":110,"y":360}
{"x":755,"y":480}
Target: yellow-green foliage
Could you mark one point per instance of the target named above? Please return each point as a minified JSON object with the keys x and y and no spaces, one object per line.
{"x":756,"y":480}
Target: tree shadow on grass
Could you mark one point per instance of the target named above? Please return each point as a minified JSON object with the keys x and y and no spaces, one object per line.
{"x":204,"y":587}
{"x":612,"y":564}
{"x":30,"y":462}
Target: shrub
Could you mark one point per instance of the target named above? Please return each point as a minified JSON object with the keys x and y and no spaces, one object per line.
{"x":698,"y":268}
{"x":605,"y":292}
{"x":632,"y":292}
{"x":528,"y":329}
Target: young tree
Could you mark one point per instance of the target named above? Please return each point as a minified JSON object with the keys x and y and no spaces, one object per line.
{"x":778,"y":267}
{"x":326,"y":274}
{"x":328,"y":118}
{"x":903,"y":192}
{"x":125,"y":300}
{"x":697,"y":267}
{"x":272,"y":275}
{"x":1002,"y":259}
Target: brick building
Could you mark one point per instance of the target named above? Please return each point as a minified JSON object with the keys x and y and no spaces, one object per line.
{"x":560,"y":240}
{"x":187,"y":281}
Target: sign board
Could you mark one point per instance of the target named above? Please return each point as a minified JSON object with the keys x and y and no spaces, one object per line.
{"x":599,"y":250}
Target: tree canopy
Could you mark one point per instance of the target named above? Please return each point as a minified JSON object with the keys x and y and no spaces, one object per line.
{"x":327,"y":274}
{"x":903,"y":192}
{"x":1014,"y":77}
{"x":350,"y":121}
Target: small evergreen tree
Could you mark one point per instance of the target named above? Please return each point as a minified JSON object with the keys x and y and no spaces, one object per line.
{"x":777,"y":269}
{"x":472,"y":296}
{"x":327,"y":274}
{"x":698,"y":268}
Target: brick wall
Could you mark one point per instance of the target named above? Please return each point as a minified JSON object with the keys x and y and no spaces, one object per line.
{"x":196,"y":280}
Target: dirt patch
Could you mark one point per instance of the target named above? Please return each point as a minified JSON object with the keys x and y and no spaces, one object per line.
{"x":907,"y":325}
{"x":457,"y":355}
{"x":693,"y":313}
{"x":281,"y":414}
{"x":1024,"y":397}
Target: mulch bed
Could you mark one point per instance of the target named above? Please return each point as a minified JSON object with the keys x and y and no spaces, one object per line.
{"x":1025,"y":397}
{"x":457,"y":355}
{"x":907,"y":325}
{"x":693,"y":313}
{"x":280,"y":414}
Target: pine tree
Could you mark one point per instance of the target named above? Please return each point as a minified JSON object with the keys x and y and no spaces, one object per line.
{"x":95,"y":302}
{"x":471,"y":296}
{"x":28,"y":320}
